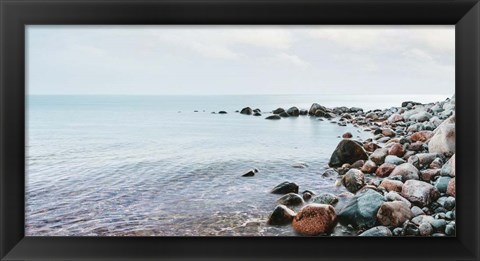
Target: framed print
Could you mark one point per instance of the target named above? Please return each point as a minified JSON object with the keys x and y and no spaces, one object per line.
{"x":198,"y":130}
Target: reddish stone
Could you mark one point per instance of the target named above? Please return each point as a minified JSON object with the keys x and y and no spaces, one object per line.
{"x":397,"y":150}
{"x":369,"y":167}
{"x":370,"y":147}
{"x":421,"y":136}
{"x":385,"y":169}
{"x":347,"y":135}
{"x":429,"y":174}
{"x":394,"y":213}
{"x":391,"y":185}
{"x":315,"y":219}
{"x":451,"y":187}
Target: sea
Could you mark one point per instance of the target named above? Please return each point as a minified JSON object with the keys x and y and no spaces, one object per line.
{"x":100,"y":165}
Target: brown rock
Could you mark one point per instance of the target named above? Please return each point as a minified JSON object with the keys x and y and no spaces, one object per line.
{"x":429,"y":174}
{"x":416,"y":146}
{"x":388,"y":132}
{"x":347,"y":151}
{"x":421,"y":136}
{"x":385,"y":170}
{"x":315,"y":219}
{"x":394,"y":213}
{"x":347,"y":135}
{"x":391,"y":185}
{"x":281,"y":215}
{"x":451,"y":187}
{"x":378,"y":156}
{"x":397,"y":150}
{"x":419,"y":193}
{"x":357,"y":164}
{"x":353,"y":180}
{"x":369,"y":167}
{"x":370,"y":146}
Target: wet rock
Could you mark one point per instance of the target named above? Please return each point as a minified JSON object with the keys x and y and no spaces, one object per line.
{"x":419,"y":193}
{"x":396,"y":150}
{"x":449,"y":168}
{"x":250,"y":173}
{"x":361,"y":210}
{"x":347,"y":135}
{"x":329,"y":173}
{"x":369,"y":167}
{"x":291,"y":199}
{"x":303,"y":112}
{"x":307,"y":195}
{"x":391,"y":185}
{"x":416,"y":146}
{"x":281,"y":215}
{"x":444,"y":140}
{"x":407,"y":171}
{"x":394,"y":213}
{"x":300,"y":165}
{"x":421,"y":136}
{"x":394,"y":160}
{"x":353,"y":180}
{"x":385,"y":170}
{"x":222,"y":112}
{"x":315,"y":219}
{"x":284,"y":114}
{"x":293,"y":111}
{"x":425,"y":159}
{"x":380,"y":231}
{"x":246,"y":111}
{"x":284,"y":188}
{"x":451,"y":187}
{"x":379,"y":155}
{"x":273,"y":117}
{"x":450,"y":229}
{"x":411,"y":103}
{"x":347,"y":151}
{"x":316,"y":107}
{"x":278,"y":111}
{"x":325,"y":198}
{"x":357,"y":164}
{"x":257,"y":114}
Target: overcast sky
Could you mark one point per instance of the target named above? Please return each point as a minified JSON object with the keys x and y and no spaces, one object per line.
{"x":241,"y":60}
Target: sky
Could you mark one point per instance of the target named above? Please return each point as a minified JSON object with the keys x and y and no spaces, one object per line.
{"x":220,"y":60}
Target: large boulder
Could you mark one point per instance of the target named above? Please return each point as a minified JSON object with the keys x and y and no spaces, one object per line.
{"x":315,"y":219}
{"x":293,"y":111}
{"x":444,"y":140}
{"x":284,"y":188}
{"x":281,"y":215}
{"x":419,"y":193}
{"x":347,"y":151}
{"x":316,"y":107}
{"x":361,"y":210}
{"x":394,"y":213}
{"x":380,"y":231}
{"x":353,"y":180}
{"x":278,"y":111}
{"x":406,"y":171}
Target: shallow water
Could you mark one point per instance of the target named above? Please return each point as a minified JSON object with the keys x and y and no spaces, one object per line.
{"x":150,"y":165}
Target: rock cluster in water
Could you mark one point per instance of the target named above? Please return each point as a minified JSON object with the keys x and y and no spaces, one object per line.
{"x":401,"y":182}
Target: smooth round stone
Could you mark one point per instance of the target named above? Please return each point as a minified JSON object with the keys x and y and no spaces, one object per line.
{"x":450,"y":229}
{"x":425,"y":229}
{"x":397,"y":231}
{"x":450,"y":215}
{"x":449,"y":203}
{"x":392,"y":159}
{"x":438,"y":224}
{"x":442,"y":183}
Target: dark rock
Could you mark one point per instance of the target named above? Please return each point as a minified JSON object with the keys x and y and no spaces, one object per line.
{"x":379,"y":231}
{"x":273,"y":117}
{"x":316,"y":107}
{"x":291,"y":199}
{"x":250,"y":173}
{"x":246,"y":111}
{"x":293,"y":111}
{"x":303,"y":112}
{"x":258,"y":114}
{"x":369,"y":167}
{"x":405,"y":103}
{"x":361,"y":210}
{"x":394,"y":213}
{"x":284,"y":114}
{"x":307,"y":195}
{"x":281,"y":215}
{"x":325,"y":198}
{"x":353,"y":180}
{"x":278,"y":111}
{"x":385,"y":170}
{"x":347,"y":151}
{"x":285,"y":187}
{"x":409,"y":229}
{"x":222,"y":112}
{"x":347,"y":135}
{"x":442,"y":183}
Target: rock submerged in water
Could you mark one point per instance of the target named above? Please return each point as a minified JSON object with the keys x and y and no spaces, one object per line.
{"x":222,"y":112}
{"x":291,"y":199}
{"x":316,"y":107}
{"x":361,"y":210}
{"x":293,"y":111}
{"x":347,"y":151}
{"x":250,"y":173}
{"x":284,"y":188}
{"x":273,"y":117}
{"x":353,"y":180}
{"x":278,"y":111}
{"x":325,"y":198}
{"x":246,"y":111}
{"x":315,"y":219}
{"x":281,"y":215}
{"x":380,"y":231}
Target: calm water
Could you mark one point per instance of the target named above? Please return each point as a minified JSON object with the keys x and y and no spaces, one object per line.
{"x":150,"y":165}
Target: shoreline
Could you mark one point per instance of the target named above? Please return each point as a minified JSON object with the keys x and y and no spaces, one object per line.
{"x":401,"y":182}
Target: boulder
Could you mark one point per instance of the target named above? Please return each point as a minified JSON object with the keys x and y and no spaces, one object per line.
{"x":379,"y":155}
{"x":353,"y":180}
{"x":444,"y":140}
{"x":284,"y":188}
{"x":222,"y":112}
{"x":246,"y":111}
{"x":347,"y":151}
{"x":385,"y":170}
{"x":278,"y":111}
{"x":361,"y":210}
{"x":293,"y":111}
{"x":394,"y":213}
{"x":451,"y":187}
{"x":325,"y":198}
{"x":380,"y":231}
{"x":316,"y":107}
{"x":391,"y":185}
{"x":315,"y":219}
{"x":449,"y":168}
{"x":281,"y":215}
{"x":406,"y":170}
{"x":394,"y":196}
{"x":291,"y":199}
{"x":369,"y":167}
{"x":273,"y":117}
{"x":303,"y":112}
{"x":419,"y":193}
{"x":284,"y":114}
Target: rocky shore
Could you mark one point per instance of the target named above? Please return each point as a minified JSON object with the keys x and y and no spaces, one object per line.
{"x":401,"y":182}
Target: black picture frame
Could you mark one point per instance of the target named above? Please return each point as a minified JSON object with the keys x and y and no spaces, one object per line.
{"x":16,"y":14}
